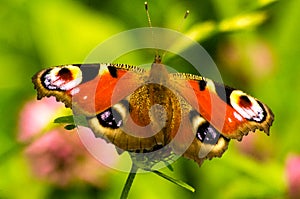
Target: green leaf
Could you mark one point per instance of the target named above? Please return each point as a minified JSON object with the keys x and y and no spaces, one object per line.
{"x":243,"y":22}
{"x":202,"y":31}
{"x":65,"y":119}
{"x":263,"y":4}
{"x":70,"y":127}
{"x":175,"y":181}
{"x":72,"y":120}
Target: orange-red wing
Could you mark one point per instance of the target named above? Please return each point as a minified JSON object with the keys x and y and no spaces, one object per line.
{"x":88,"y":88}
{"x":232,"y":112}
{"x":106,"y":89}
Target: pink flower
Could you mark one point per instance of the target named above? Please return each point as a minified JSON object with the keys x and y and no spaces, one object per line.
{"x":292,"y":169}
{"x":250,"y":59}
{"x":35,"y":116}
{"x":57,"y":156}
{"x":261,"y":58}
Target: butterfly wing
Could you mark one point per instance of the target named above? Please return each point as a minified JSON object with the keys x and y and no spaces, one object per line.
{"x":197,"y":139}
{"x":232,"y":112}
{"x":102,"y":93}
{"x":88,"y":88}
{"x":218,"y":113}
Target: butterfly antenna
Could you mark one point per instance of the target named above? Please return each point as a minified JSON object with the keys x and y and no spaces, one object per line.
{"x":150,"y":26}
{"x":179,"y":28}
{"x":187,"y":13}
{"x":148,"y":15}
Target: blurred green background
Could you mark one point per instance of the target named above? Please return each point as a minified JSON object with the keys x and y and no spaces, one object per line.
{"x":261,"y":59}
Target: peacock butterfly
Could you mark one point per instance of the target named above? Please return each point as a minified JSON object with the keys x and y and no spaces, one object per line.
{"x":142,"y":111}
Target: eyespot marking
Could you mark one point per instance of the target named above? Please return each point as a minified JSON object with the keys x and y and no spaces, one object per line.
{"x":65,"y":74}
{"x":204,"y":131}
{"x":245,"y":101}
{"x":114,"y":117}
{"x":110,"y":118}
{"x":207,"y":134}
{"x":61,"y":78}
{"x":247,"y":106}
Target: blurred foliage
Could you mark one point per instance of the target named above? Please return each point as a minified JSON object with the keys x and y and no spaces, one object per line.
{"x":260,"y":60}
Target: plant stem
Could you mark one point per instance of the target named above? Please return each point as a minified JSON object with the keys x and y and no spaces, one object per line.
{"x":129,"y":181}
{"x":175,"y":181}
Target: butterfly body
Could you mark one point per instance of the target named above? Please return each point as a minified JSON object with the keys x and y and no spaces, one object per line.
{"x":143,"y":111}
